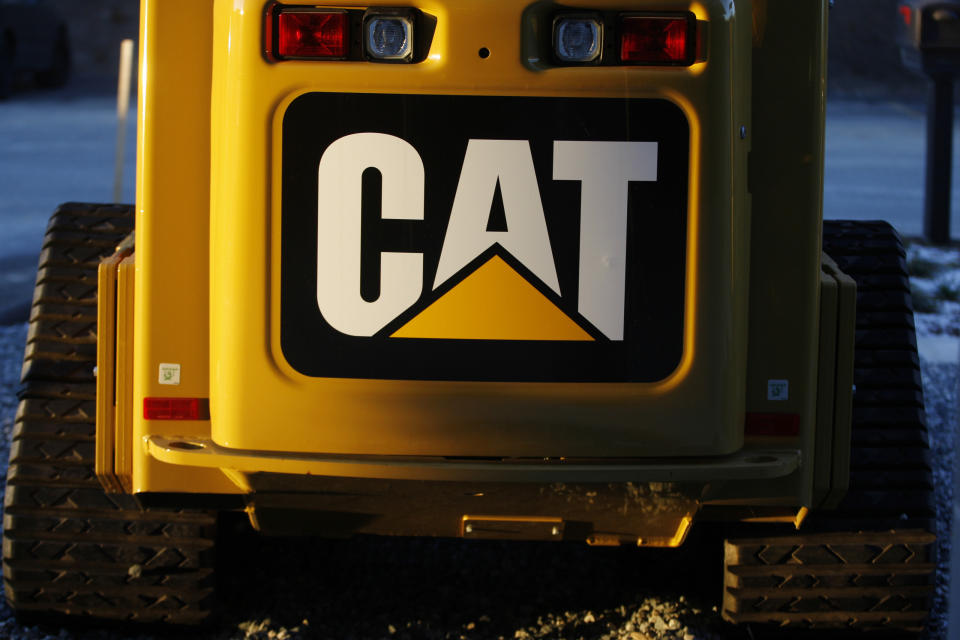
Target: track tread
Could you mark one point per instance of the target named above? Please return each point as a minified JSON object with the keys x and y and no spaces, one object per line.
{"x":61,"y":341}
{"x":68,"y":547}
{"x":817,"y":580}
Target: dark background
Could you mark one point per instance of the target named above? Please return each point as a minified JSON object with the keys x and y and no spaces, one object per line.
{"x":864,"y":59}
{"x":96,"y":29}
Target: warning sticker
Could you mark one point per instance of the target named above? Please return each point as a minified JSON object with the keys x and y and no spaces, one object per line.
{"x":169,"y":373}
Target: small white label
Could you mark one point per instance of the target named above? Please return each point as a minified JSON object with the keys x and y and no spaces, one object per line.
{"x":778,"y":390}
{"x":169,"y":373}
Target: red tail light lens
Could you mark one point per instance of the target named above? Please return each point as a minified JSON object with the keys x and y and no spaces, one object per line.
{"x":907,"y":14}
{"x":772,"y":424}
{"x":657,"y":40}
{"x":176,"y":409}
{"x":313,"y":34}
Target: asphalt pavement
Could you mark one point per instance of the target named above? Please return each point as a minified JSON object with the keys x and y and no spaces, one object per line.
{"x":875,"y":160}
{"x":55,"y":146}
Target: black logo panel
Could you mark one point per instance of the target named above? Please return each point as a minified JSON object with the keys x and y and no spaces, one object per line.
{"x":483,"y":238}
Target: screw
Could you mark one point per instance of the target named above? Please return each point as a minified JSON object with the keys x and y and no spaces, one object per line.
{"x":555,"y":531}
{"x":468,"y":528}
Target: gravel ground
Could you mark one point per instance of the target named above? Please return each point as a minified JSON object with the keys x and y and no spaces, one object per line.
{"x":940,"y":397}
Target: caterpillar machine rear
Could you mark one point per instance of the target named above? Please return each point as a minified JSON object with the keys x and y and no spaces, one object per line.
{"x":474,"y":268}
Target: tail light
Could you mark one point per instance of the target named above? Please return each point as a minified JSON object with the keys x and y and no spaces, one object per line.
{"x":176,"y":409}
{"x":657,"y":40}
{"x":608,"y":38}
{"x":906,"y":12}
{"x":378,"y":34}
{"x":311,"y":34}
{"x":772,"y":424}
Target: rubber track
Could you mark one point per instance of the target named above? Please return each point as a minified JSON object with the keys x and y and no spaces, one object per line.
{"x":880,"y":573}
{"x":889,"y":424}
{"x":69,"y":547}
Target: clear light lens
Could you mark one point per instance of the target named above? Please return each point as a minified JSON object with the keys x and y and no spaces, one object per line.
{"x":388,"y":38}
{"x":576,"y":39}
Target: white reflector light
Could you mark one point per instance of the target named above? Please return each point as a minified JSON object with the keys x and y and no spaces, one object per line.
{"x":388,"y":37}
{"x":576,"y":39}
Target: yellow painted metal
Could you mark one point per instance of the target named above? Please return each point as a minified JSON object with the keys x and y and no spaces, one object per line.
{"x":831,"y":456}
{"x":515,"y":310}
{"x":790,"y":516}
{"x":676,"y":539}
{"x":752,"y":465}
{"x":843,"y":398}
{"x":259,"y":402}
{"x":682,"y":530}
{"x":826,"y":384}
{"x":208,"y":212}
{"x":604,"y":540}
{"x":123,"y":422}
{"x":469,"y":524}
{"x":106,"y":373}
{"x":173,"y":171}
{"x":786,"y":183}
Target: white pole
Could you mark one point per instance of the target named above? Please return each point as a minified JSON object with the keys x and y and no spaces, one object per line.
{"x":123,"y":108}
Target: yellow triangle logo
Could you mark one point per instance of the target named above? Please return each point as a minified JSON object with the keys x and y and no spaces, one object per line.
{"x":493,"y":303}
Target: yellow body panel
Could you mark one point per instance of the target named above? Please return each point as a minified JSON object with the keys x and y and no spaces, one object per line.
{"x":787,"y":199}
{"x":173,"y":171}
{"x":123,"y":423}
{"x":106,"y":373}
{"x":258,"y":401}
{"x":208,"y":264}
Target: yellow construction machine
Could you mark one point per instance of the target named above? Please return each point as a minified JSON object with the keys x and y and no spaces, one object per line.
{"x":482,"y":269}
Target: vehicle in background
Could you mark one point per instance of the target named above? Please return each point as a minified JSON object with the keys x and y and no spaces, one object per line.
{"x":34,"y":42}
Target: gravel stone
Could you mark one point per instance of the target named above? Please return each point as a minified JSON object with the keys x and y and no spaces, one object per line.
{"x":12,"y":341}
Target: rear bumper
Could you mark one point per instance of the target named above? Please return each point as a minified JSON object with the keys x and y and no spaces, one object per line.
{"x":743,"y":465}
{"x":638,"y":502}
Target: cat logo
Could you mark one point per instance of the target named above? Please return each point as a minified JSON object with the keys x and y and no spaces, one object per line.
{"x":439,"y":252}
{"x":483,"y":302}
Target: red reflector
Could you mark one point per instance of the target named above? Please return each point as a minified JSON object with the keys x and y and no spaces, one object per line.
{"x":772,"y":424}
{"x":176,"y":409}
{"x":655,"y":40}
{"x":907,"y":14}
{"x":313,"y":35}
